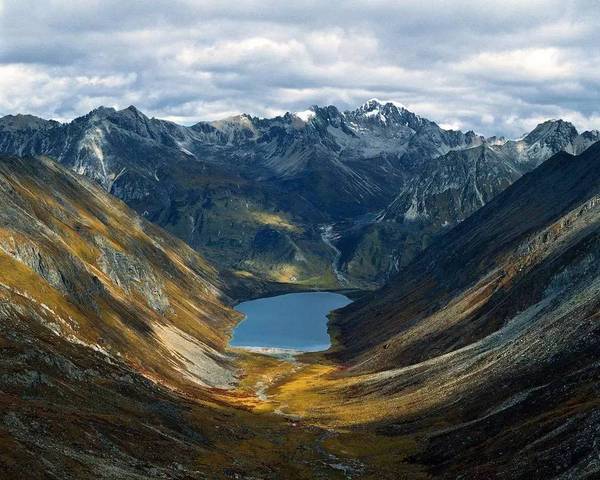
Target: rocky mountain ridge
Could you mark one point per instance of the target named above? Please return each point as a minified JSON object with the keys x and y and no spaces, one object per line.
{"x":224,"y":187}
{"x":444,"y":191}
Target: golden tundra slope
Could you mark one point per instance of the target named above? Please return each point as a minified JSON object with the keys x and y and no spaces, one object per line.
{"x":481,"y":360}
{"x":98,"y":275}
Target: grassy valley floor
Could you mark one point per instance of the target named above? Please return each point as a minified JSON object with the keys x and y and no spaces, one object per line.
{"x":317,"y":406}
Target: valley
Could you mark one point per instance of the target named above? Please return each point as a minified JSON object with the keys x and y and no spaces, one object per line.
{"x":106,"y":324}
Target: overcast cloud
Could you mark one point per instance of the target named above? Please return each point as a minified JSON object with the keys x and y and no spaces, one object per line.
{"x":494,"y":67}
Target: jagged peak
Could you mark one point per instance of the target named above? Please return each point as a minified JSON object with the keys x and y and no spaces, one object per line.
{"x":371,"y":108}
{"x":387,"y":114}
{"x":103,"y":109}
{"x":132,"y":110}
{"x":374,"y":102}
{"x":97,"y":113}
{"x":307,"y":115}
{"x":496,"y":140}
{"x":21,"y":116}
{"x":234,"y":118}
{"x":551,"y":127}
{"x":22,"y":121}
{"x":242,"y":118}
{"x":556,"y":122}
{"x":375,"y":107}
{"x":591,"y":133}
{"x":371,"y":104}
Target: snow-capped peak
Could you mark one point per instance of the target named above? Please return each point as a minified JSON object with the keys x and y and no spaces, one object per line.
{"x":373,"y":103}
{"x":373,"y":112}
{"x":305,"y":115}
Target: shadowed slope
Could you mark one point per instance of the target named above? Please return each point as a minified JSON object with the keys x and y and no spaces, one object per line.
{"x":455,"y":292}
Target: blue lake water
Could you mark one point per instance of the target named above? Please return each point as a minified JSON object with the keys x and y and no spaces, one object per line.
{"x":295,"y":320}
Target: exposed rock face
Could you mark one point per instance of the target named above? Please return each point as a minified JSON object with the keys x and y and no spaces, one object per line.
{"x":130,"y":273}
{"x":64,"y":272}
{"x":447,"y":189}
{"x":216,"y":185}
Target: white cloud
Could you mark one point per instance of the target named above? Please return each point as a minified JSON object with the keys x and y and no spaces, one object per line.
{"x":527,"y":64}
{"x":489,"y":66}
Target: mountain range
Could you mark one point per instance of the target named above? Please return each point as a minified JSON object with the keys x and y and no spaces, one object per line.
{"x":320,"y":198}
{"x":475,"y":357}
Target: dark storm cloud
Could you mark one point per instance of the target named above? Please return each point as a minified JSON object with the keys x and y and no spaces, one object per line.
{"x":495,"y":67}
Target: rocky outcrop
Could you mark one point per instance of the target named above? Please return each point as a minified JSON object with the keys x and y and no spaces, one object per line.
{"x":131,"y":273}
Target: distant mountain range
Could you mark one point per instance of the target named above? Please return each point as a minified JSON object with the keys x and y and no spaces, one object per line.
{"x":320,"y":198}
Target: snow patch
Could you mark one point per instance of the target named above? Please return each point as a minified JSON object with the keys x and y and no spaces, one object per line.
{"x":413,"y":211}
{"x":305,"y":115}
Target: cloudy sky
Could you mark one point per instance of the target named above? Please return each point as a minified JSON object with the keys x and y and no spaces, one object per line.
{"x":495,"y":67}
